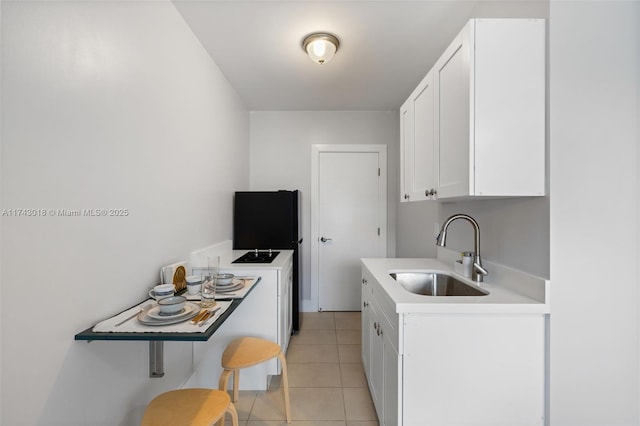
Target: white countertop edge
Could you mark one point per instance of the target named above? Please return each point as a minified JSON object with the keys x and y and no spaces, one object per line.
{"x":463,"y":308}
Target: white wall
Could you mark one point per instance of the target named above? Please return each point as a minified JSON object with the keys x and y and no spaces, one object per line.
{"x":595,"y":111}
{"x":281,"y":159}
{"x":514,"y":232}
{"x":104,"y":105}
{"x":415,"y":228}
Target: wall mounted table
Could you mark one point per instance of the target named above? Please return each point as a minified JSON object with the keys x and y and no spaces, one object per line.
{"x":157,"y":338}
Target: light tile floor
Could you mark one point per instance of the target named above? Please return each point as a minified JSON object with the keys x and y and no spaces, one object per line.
{"x":327,"y":385}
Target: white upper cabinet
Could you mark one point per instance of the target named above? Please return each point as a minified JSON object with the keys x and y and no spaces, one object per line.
{"x":417,"y":143}
{"x":484,"y":133}
{"x":453,"y":116}
{"x":490,"y":88}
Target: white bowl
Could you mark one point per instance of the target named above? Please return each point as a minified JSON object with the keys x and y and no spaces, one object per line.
{"x":172,"y":305}
{"x":194,"y":289}
{"x":224,"y":279}
{"x":194,"y":279}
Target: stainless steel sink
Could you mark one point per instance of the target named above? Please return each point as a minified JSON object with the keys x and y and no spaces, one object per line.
{"x":435,"y":284}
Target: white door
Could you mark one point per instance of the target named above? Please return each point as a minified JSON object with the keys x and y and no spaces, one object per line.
{"x":350,"y":223}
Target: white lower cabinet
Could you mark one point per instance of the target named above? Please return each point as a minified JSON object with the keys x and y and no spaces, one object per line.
{"x":366,"y":309}
{"x":452,"y":369}
{"x":381,"y":361}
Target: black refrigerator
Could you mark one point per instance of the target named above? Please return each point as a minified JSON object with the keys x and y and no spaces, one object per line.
{"x":270,"y":220}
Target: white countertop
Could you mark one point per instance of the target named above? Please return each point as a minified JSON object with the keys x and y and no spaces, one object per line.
{"x":228,"y":256}
{"x":510,"y":291}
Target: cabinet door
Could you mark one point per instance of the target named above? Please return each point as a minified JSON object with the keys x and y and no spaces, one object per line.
{"x":392,"y":372}
{"x":288,"y":302}
{"x":376,"y":367}
{"x":383,"y":364}
{"x":406,"y":150}
{"x":284,"y":308}
{"x":423,"y":178}
{"x":509,"y":101}
{"x":453,"y":114}
{"x":417,"y":142}
{"x":365,"y":318}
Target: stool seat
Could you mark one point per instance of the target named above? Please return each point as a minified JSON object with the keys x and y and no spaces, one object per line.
{"x":189,"y":407}
{"x":248,"y":351}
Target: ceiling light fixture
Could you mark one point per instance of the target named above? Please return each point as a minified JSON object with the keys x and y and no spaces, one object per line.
{"x":321,"y":47}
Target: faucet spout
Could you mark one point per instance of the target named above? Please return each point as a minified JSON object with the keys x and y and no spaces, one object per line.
{"x":441,"y":240}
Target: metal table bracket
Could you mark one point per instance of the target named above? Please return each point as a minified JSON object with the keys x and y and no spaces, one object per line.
{"x":156,"y":358}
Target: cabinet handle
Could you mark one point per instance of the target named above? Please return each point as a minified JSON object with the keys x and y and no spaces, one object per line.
{"x":406,"y":196}
{"x":378,"y":328}
{"x":431,"y":192}
{"x":364,"y":281}
{"x":365,"y":304}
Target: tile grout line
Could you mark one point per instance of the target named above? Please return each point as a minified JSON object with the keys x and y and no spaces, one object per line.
{"x":344,"y":401}
{"x":336,"y":344}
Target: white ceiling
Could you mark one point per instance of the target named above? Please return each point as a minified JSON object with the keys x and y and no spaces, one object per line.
{"x":386,"y":46}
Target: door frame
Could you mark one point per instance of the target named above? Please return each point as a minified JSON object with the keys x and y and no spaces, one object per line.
{"x":316,"y":150}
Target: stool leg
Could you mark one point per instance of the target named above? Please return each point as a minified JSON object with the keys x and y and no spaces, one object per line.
{"x":285,"y":386}
{"x":231,"y":409}
{"x":236,"y":384}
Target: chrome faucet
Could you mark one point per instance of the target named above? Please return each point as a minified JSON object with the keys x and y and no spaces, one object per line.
{"x":441,"y":240}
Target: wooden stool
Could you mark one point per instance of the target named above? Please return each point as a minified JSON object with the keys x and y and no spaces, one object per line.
{"x":189,"y":407}
{"x":249,"y":351}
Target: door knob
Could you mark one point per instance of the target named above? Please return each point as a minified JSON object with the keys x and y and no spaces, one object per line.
{"x":324,"y":240}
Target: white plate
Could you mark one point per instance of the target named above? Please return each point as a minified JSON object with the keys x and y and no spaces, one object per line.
{"x":144,"y":318}
{"x":234,"y":282}
{"x":229,"y":289}
{"x":155,"y":314}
